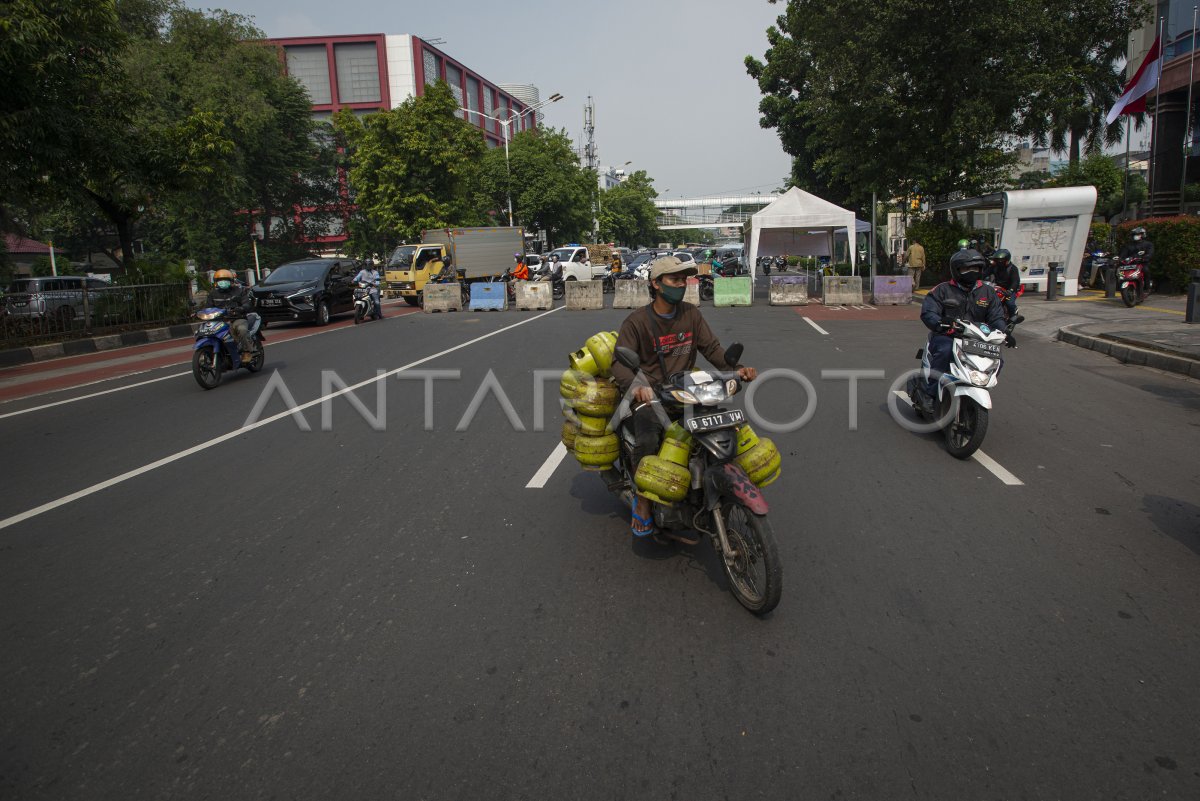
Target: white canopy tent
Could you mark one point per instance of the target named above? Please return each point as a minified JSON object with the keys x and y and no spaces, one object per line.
{"x":798,"y":224}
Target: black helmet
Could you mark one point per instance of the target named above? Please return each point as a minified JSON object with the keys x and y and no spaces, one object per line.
{"x":1139,"y":233}
{"x":966,"y":267}
{"x":1001,"y":254}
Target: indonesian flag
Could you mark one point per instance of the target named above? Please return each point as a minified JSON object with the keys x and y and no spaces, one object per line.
{"x":1133,"y":99}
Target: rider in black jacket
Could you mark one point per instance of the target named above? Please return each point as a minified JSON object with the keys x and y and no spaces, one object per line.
{"x":1004,"y":274}
{"x":1139,"y":247}
{"x":964,"y":297}
{"x":237,"y":302}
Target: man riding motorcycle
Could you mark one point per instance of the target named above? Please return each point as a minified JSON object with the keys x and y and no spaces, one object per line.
{"x":236,"y":301}
{"x":520,"y":272}
{"x":666,"y":334}
{"x":370,"y":276}
{"x":968,"y":298}
{"x":1139,"y":243}
{"x":1004,"y":274}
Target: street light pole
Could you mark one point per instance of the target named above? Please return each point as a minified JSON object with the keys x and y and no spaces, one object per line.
{"x":50,"y":239}
{"x":554,"y":98}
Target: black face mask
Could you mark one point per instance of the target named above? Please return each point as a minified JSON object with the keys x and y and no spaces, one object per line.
{"x":968,"y":278}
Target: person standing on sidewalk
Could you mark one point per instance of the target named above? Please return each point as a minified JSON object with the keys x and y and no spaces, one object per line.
{"x":916,"y":262}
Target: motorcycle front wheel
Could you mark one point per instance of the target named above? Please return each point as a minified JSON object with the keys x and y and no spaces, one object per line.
{"x":966,"y":431}
{"x":558,"y":291}
{"x":755,"y":575}
{"x":206,"y":367}
{"x":358,"y":313}
{"x":1129,"y":295}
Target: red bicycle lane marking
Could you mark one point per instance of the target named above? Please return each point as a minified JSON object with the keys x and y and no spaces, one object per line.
{"x":176,"y":352}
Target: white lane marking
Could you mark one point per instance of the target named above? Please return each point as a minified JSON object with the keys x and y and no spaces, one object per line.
{"x":548,"y":467}
{"x":288,"y":413}
{"x":997,"y":469}
{"x":820,"y":330}
{"x":141,"y":372}
{"x":95,"y":394}
{"x":991,"y":464}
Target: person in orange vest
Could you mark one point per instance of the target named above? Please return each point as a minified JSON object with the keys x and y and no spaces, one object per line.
{"x":520,"y":272}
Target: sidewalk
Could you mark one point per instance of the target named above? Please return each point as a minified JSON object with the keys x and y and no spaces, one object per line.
{"x":1152,"y":334}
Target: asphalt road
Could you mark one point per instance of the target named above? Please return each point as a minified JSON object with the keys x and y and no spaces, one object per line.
{"x":199,"y":605}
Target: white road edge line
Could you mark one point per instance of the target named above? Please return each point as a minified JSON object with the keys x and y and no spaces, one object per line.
{"x":994,"y":467}
{"x":820,"y":330}
{"x":175,"y":457}
{"x":548,"y":467}
{"x":95,"y":394}
{"x":139,"y":372}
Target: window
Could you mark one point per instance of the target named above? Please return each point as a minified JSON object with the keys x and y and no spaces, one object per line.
{"x":357,"y":72}
{"x":454,"y":78}
{"x":489,"y":102}
{"x":309,"y":65}
{"x":433,"y":70}
{"x":473,"y":100}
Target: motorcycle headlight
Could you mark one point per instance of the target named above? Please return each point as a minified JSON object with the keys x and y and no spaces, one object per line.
{"x":683,"y":396}
{"x":978,"y":378}
{"x":710,"y":394}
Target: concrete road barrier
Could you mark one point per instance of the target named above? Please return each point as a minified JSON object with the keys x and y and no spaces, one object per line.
{"x":842,"y":290}
{"x":789,"y":290}
{"x":733,"y":291}
{"x":692,"y":293}
{"x":892,"y":290}
{"x":533,"y":295}
{"x":584,"y":294}
{"x":442,"y":297}
{"x":631,"y":294}
{"x":489,"y":296}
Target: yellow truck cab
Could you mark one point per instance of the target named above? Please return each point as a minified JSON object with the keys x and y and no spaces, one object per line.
{"x":411,"y":267}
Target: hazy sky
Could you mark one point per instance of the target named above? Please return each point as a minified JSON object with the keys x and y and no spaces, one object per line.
{"x":671,"y":92}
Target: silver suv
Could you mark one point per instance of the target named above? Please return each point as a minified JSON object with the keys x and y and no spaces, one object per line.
{"x":59,"y":297}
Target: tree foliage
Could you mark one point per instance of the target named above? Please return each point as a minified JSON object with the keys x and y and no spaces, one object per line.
{"x":627,"y":212}
{"x":415,"y":166}
{"x":1103,"y":173}
{"x":551,"y":191}
{"x":921,"y":97}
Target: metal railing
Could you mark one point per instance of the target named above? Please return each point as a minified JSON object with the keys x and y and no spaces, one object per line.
{"x":59,"y":315}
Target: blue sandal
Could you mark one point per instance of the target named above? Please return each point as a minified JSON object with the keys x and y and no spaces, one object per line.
{"x":641,"y":526}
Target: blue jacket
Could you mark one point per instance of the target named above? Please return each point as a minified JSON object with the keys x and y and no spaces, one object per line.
{"x":980,"y":305}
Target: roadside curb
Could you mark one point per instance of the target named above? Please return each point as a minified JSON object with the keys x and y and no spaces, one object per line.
{"x":1130,"y":351}
{"x":80,"y":347}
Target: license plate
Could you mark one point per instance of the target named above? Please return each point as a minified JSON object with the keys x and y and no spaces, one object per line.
{"x":988,"y":349}
{"x":711,"y":422}
{"x":272,"y":302}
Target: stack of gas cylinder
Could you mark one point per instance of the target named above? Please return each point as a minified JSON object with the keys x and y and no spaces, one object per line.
{"x":590,"y":397}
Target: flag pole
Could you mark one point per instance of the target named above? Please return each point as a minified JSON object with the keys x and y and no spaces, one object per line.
{"x":1162,"y":52}
{"x":1125,"y":189}
{"x":1187,"y":128}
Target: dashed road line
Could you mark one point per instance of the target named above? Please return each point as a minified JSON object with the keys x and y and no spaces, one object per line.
{"x":548,"y":467}
{"x":992,"y":466}
{"x":820,"y":330}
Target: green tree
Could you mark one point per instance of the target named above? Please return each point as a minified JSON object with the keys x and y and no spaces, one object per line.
{"x":551,"y":191}
{"x":1079,"y":44}
{"x":1103,"y":173}
{"x":413,"y":167}
{"x":627,"y":212}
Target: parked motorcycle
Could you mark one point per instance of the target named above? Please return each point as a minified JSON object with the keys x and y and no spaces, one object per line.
{"x":765,"y":263}
{"x":1100,"y":261}
{"x":963,"y":401}
{"x":1133,"y":279}
{"x":720,"y":499}
{"x":365,"y":305}
{"x":216,"y":349}
{"x":706,"y":287}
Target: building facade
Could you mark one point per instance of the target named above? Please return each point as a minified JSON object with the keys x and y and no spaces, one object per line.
{"x":376,"y":72}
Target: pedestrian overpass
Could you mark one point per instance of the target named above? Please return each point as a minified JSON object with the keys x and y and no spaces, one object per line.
{"x":715,"y":211}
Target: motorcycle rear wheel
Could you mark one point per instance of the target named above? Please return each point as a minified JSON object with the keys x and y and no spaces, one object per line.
{"x":206,"y":368}
{"x":965,"y":433}
{"x":706,"y":292}
{"x":259,"y":359}
{"x":755,"y":577}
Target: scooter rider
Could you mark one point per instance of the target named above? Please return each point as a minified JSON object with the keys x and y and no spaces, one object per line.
{"x":964,"y":296}
{"x":370,"y":276}
{"x":1139,"y":247}
{"x":520,"y":272}
{"x":1003,"y":273}
{"x":229,"y":295}
{"x":666,"y":333}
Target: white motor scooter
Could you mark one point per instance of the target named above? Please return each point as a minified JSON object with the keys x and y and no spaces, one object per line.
{"x":963,"y":401}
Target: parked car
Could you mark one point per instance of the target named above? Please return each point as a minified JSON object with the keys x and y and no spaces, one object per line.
{"x":311,"y":290}
{"x":577,"y":264}
{"x":56,"y":297}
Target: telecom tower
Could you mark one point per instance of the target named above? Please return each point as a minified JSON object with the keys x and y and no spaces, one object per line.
{"x":590,"y":159}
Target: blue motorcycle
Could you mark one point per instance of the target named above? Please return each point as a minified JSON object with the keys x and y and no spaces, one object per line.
{"x":216,"y":349}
